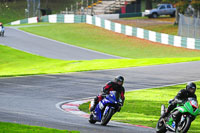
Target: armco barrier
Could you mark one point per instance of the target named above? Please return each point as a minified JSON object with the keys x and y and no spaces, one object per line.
{"x":163,"y":38}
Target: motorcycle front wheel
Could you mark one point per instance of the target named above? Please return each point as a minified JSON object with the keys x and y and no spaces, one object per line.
{"x":106,"y":118}
{"x":184,"y":126}
{"x":160,"y":127}
{"x":91,"y":119}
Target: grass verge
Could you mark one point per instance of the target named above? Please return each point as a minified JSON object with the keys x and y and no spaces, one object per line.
{"x":6,"y":127}
{"x":105,"y":41}
{"x":17,"y":63}
{"x":161,"y":24}
{"x":142,"y":107}
{"x":160,"y":18}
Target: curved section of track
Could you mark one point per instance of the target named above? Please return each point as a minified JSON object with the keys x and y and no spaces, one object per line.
{"x":48,"y":48}
{"x":32,"y":100}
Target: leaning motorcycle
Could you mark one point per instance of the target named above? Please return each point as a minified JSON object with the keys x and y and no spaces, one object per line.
{"x":187,"y":110}
{"x":106,"y":108}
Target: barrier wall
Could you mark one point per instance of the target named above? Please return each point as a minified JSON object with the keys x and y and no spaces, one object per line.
{"x":25,"y":21}
{"x":64,"y":18}
{"x":177,"y":41}
{"x":166,"y":39}
{"x":55,"y":18}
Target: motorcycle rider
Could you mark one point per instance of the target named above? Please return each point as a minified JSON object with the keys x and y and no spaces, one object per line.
{"x":1,"y":25}
{"x":182,"y":95}
{"x":116,"y":85}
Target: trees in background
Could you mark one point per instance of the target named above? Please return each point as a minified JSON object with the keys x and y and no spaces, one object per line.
{"x":148,"y":4}
{"x":196,"y":5}
{"x":182,"y":6}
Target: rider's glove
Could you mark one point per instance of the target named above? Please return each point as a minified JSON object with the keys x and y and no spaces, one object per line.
{"x":103,"y":95}
{"x":177,"y":101}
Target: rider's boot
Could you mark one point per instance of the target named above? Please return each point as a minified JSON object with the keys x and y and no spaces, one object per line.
{"x":94,"y":105}
{"x":169,"y":109}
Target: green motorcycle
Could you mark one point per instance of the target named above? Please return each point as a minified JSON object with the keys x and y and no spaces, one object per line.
{"x":187,"y":111}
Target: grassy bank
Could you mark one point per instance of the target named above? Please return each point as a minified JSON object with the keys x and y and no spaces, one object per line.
{"x":143,"y":53}
{"x":109,"y":42}
{"x":160,"y":18}
{"x":163,"y":24}
{"x":6,"y":127}
{"x":142,"y":107}
{"x":17,"y":63}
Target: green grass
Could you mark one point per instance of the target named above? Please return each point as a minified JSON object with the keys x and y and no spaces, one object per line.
{"x":109,"y":42}
{"x":157,"y":27}
{"x":160,"y":18}
{"x":165,"y":28}
{"x":17,"y":63}
{"x":142,"y":107}
{"x":6,"y":127}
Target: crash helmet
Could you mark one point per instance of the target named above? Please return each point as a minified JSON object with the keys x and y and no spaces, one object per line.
{"x":119,"y":79}
{"x":191,"y":87}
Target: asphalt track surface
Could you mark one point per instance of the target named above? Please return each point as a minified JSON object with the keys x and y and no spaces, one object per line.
{"x":32,"y":100}
{"x":48,"y":48}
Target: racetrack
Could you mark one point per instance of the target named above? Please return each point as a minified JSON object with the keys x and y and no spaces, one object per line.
{"x":48,"y":48}
{"x":32,"y":100}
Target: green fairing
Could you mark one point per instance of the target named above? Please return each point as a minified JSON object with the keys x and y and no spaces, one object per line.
{"x":188,"y":108}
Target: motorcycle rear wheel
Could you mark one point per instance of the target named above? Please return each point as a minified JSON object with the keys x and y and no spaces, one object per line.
{"x":184,"y":127}
{"x":160,"y":127}
{"x":106,"y":118}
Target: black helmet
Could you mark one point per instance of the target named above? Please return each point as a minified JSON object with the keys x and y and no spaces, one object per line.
{"x":191,"y":87}
{"x":119,"y":79}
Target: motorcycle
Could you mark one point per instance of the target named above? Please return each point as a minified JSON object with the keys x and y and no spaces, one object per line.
{"x":1,"y":31}
{"x":106,"y":108}
{"x":187,"y":110}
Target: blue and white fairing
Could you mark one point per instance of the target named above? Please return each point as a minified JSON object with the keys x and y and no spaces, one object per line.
{"x":110,"y":101}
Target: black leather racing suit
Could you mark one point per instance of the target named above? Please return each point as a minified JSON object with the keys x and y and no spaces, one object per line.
{"x":182,"y":95}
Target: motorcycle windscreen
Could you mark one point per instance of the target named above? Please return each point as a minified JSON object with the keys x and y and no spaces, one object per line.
{"x":113,"y":96}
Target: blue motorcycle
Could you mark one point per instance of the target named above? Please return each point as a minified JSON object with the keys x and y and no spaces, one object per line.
{"x":106,"y":108}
